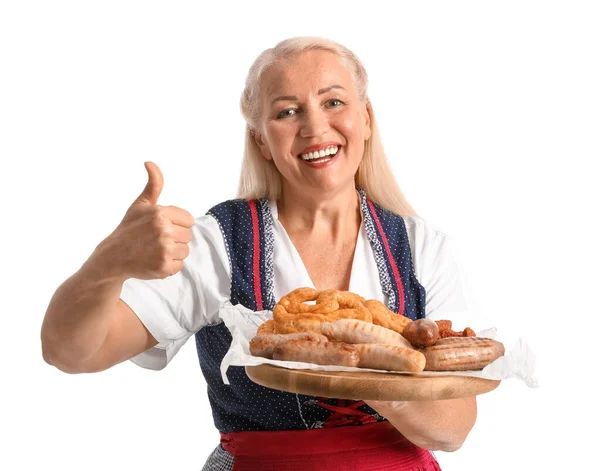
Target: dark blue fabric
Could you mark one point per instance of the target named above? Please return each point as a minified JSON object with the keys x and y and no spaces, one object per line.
{"x":244,"y":405}
{"x":235,"y":220}
{"x":394,"y":229}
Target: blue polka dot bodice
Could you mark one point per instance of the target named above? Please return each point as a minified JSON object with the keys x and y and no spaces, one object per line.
{"x":244,"y":405}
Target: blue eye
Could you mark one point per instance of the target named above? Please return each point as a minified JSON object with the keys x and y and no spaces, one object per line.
{"x":334,"y":103}
{"x":286,"y":113}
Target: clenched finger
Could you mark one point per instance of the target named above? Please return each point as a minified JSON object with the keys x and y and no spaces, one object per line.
{"x":178,"y":216}
{"x":175,"y":267}
{"x":180,"y":251}
{"x":181,"y":235}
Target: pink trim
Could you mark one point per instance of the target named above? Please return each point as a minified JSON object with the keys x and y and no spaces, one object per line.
{"x":256,"y":256}
{"x":395,"y":270}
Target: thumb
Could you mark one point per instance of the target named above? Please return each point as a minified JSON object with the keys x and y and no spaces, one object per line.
{"x":153,"y":187}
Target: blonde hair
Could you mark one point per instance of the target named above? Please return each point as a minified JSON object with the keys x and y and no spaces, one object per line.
{"x":259,"y":176}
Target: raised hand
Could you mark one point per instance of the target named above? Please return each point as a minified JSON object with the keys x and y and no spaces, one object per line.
{"x":151,"y":240}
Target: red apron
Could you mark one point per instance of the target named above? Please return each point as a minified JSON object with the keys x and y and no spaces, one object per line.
{"x":376,"y":446}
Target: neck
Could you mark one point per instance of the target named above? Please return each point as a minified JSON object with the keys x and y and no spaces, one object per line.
{"x":336,"y":211}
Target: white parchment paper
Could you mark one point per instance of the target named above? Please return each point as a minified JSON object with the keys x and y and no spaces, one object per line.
{"x":242,"y":323}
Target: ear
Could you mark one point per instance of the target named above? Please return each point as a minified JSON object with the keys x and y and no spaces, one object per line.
{"x":367,"y":117}
{"x":261,"y":143}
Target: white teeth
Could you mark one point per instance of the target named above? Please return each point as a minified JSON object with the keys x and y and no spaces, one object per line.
{"x":320,"y":154}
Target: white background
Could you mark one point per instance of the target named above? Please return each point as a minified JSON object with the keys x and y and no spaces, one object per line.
{"x":490,"y":114}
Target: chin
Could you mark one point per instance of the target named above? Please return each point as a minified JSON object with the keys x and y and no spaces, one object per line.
{"x":332,"y":185}
{"x":332,"y":180}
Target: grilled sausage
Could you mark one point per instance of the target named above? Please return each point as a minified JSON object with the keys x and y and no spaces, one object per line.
{"x":355,"y":331}
{"x":421,"y":333}
{"x":462,"y":353}
{"x":320,"y":353}
{"x":390,"y":358}
{"x":263,"y":345}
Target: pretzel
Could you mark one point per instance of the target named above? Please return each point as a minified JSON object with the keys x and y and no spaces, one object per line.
{"x":291,"y":314}
{"x":384,"y":317}
{"x":294,"y":301}
{"x":326,"y":301}
{"x":332,"y":300}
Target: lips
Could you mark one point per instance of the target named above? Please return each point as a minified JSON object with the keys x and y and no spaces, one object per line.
{"x":325,"y":153}
{"x":322,"y":162}
{"x":318,"y":147}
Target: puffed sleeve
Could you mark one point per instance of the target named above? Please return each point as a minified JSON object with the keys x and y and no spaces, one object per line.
{"x":438,"y":269}
{"x":175,"y":308}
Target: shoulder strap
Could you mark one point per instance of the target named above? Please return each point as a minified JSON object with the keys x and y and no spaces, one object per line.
{"x":247,"y":229}
{"x":389,"y":239}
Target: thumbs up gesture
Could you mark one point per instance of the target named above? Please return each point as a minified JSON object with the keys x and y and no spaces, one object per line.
{"x":151,"y":240}
{"x":154,"y":186}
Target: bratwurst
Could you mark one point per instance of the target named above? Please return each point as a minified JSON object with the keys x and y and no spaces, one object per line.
{"x":320,"y":353}
{"x":462,"y":353}
{"x":390,"y":358}
{"x":355,"y":331}
{"x":263,"y":345}
{"x":422,"y":332}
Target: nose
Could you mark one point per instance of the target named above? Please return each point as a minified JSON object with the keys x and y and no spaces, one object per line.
{"x":315,"y":123}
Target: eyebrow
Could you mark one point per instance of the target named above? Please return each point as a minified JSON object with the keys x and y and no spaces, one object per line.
{"x":294,"y":97}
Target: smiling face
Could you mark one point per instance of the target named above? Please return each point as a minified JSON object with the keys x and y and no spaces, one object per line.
{"x":313,"y":123}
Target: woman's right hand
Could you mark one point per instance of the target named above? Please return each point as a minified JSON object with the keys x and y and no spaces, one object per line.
{"x":87,"y":327}
{"x":151,"y":242}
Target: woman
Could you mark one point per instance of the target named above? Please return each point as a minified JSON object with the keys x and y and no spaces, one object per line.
{"x":318,"y":206}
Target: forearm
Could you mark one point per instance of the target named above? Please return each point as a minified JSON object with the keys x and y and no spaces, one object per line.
{"x":78,"y":316}
{"x":434,"y":425}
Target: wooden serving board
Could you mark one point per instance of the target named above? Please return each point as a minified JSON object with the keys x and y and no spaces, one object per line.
{"x":369,"y":385}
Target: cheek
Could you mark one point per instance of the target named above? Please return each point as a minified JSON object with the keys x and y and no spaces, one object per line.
{"x":278,"y":134}
{"x":351,"y":126}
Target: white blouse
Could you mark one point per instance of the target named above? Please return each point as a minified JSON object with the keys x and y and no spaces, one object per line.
{"x":175,"y":308}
